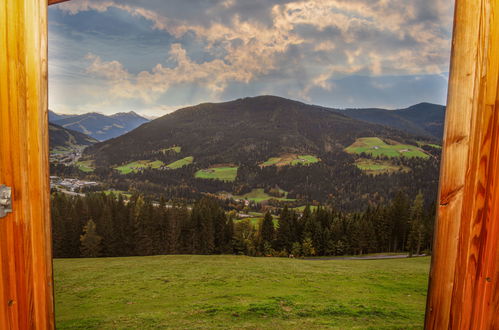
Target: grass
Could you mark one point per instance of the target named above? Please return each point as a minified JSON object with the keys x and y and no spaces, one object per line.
{"x":302,"y":208}
{"x":259,"y":195}
{"x":290,"y":159}
{"x":174,"y":149}
{"x":139,"y":165}
{"x":85,"y":166}
{"x":181,"y":163}
{"x":372,"y":166}
{"x":225,"y":173}
{"x":219,"y":292}
{"x":125,"y":194}
{"x":376,"y":147}
{"x":60,"y":150}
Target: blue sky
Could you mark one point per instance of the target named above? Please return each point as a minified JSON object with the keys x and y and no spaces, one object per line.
{"x":155,"y":56}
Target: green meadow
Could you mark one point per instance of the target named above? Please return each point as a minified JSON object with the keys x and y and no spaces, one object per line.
{"x":139,"y":165}
{"x":85,"y":166}
{"x":291,"y":159}
{"x":181,"y":163}
{"x":259,"y":195}
{"x":220,"y":292}
{"x":376,"y":147}
{"x":225,"y":173}
{"x":373,"y":166}
{"x":174,"y":149}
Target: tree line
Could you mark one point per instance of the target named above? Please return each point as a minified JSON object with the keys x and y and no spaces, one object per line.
{"x":100,"y":225}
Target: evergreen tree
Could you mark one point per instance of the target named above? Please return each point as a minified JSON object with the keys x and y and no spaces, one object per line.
{"x":267,"y":230}
{"x":417,"y":226}
{"x":90,"y":241}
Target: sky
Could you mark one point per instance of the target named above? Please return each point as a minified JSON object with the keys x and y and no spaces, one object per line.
{"x":156,"y":56}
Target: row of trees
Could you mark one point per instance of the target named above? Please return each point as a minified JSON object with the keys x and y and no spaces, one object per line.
{"x":107,"y":225}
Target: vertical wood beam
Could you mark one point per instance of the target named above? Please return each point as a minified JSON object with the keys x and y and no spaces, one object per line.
{"x":26,"y":299}
{"x":464,"y":291}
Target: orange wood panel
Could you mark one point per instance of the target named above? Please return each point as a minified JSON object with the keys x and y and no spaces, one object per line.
{"x":464,"y":274}
{"x":53,"y":2}
{"x":26,"y":299}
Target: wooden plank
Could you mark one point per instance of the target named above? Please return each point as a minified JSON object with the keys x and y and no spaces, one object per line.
{"x":25,"y":250}
{"x":464,"y":274}
{"x":53,"y":2}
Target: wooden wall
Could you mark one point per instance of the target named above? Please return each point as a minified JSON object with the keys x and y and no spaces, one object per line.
{"x":464,"y":291}
{"x":25,"y":251}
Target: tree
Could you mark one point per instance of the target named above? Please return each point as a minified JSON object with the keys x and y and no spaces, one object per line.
{"x":267,"y":231}
{"x":417,"y":226}
{"x":90,"y":241}
{"x":307,"y":247}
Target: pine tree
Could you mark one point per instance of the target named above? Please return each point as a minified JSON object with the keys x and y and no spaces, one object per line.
{"x":267,"y":230}
{"x":417,"y":226}
{"x":90,"y":241}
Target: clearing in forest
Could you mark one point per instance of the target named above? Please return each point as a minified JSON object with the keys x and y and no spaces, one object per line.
{"x":290,"y":160}
{"x":376,"y":147}
{"x":139,"y":165}
{"x":180,"y":163}
{"x":223,"y":173}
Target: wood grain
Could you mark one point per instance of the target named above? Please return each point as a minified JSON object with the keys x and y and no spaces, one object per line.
{"x":25,"y":251}
{"x":464,"y":274}
{"x":53,"y":2}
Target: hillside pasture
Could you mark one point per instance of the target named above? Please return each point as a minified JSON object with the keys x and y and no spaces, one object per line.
{"x":175,"y":149}
{"x":139,"y":165}
{"x":238,"y":292}
{"x":181,"y":163}
{"x":375,"y":167}
{"x":86,"y":166}
{"x":223,"y":173}
{"x":259,"y":195}
{"x":290,"y":160}
{"x":378,"y":148}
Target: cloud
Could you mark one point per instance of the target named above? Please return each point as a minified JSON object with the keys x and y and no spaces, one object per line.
{"x":311,"y":41}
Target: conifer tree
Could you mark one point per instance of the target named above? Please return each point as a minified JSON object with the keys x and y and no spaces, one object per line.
{"x":267,"y":230}
{"x":417,"y":226}
{"x":90,"y":241}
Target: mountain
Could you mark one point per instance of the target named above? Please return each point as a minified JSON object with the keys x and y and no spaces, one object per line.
{"x":60,"y":137}
{"x":248,"y":130}
{"x":53,"y":117}
{"x":99,"y":126}
{"x":423,"y":119}
{"x":270,"y":149}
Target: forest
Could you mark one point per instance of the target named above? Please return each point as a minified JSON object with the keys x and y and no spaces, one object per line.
{"x":107,"y":225}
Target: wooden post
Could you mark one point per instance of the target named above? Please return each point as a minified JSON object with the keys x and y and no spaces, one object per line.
{"x":464,"y":291}
{"x":26,"y":299}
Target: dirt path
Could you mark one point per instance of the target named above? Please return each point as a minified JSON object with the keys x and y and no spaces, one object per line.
{"x":372,"y":257}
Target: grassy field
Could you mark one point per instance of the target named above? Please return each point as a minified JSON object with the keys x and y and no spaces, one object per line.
{"x":372,"y":166}
{"x":59,"y":150}
{"x":376,"y":147}
{"x":225,"y":173}
{"x":291,"y":159}
{"x":219,"y":292}
{"x":85,"y":166}
{"x":181,"y":163}
{"x":174,"y":149}
{"x":139,"y":165}
{"x":259,"y":195}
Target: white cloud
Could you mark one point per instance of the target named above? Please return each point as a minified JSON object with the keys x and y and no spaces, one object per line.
{"x":375,"y":37}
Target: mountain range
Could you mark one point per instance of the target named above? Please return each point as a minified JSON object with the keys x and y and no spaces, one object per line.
{"x":60,"y":137}
{"x":247,"y":130}
{"x":423,"y":119}
{"x":99,"y":126}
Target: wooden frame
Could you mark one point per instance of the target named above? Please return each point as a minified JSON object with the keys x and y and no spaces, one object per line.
{"x":463,"y":292}
{"x":25,"y":239}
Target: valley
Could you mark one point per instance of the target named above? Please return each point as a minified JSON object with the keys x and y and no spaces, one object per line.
{"x":249,"y":147}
